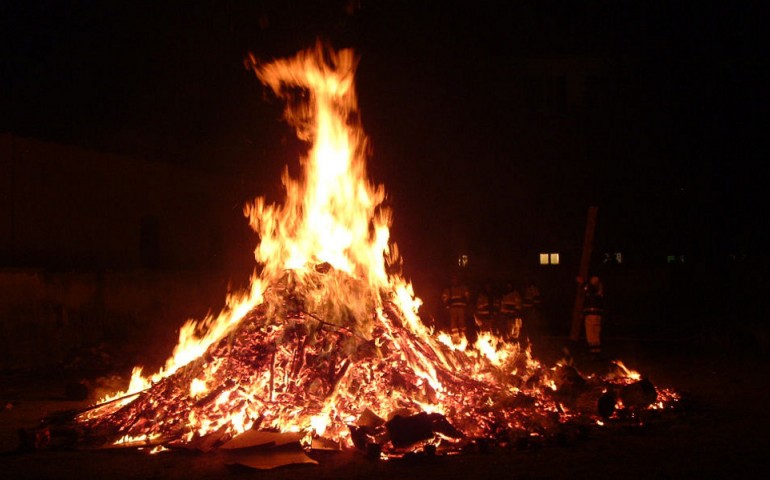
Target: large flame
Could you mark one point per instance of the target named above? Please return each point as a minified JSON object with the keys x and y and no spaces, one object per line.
{"x":327,"y":331}
{"x":332,"y":215}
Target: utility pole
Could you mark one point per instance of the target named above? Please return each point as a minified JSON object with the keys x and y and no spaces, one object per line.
{"x":585,"y":262}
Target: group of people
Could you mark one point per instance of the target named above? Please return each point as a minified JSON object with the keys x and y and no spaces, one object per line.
{"x":513,"y":312}
{"x":593,"y":311}
{"x":508,"y":312}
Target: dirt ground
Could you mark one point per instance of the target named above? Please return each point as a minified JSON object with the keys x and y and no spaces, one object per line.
{"x":721,"y":429}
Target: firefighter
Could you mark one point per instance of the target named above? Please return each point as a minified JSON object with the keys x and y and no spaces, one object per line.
{"x":510,"y":311}
{"x":455,"y":299}
{"x":484,"y":308}
{"x":495,"y":317}
{"x":593,"y":311}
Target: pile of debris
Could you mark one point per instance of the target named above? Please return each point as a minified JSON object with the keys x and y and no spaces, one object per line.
{"x":298,"y":359}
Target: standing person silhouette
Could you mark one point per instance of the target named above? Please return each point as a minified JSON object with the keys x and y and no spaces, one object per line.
{"x":455,"y":298}
{"x":593,"y":311}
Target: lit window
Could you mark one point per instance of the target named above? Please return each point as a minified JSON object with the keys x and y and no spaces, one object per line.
{"x":549,"y":259}
{"x":462,"y":260}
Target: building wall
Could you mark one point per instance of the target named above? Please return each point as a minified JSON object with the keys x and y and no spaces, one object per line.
{"x":66,"y":207}
{"x":50,"y":319}
{"x":99,"y":248}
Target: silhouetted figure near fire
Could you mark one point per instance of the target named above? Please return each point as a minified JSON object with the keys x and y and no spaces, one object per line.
{"x":593,"y":311}
{"x":510,"y":313}
{"x":455,"y":299}
{"x":485,"y":308}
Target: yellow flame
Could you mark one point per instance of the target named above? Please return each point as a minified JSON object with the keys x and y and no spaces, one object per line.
{"x":197,"y":387}
{"x":335,"y":215}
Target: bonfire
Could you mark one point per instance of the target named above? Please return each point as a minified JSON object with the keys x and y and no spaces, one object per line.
{"x":328,"y":343}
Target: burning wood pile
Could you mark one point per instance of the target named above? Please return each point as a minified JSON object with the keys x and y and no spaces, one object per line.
{"x":328,"y":345}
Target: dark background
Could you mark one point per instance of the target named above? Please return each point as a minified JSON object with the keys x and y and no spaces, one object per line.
{"x":484,"y":147}
{"x":478,"y":154}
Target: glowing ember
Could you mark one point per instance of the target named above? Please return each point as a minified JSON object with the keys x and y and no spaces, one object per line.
{"x":327,"y":342}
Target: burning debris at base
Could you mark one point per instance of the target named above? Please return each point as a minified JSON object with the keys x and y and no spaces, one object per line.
{"x":327,"y":349}
{"x":292,"y":365}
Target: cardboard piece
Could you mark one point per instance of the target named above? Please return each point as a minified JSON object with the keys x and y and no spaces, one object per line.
{"x":268,"y":458}
{"x":262,"y":438}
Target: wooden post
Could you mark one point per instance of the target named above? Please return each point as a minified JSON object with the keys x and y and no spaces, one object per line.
{"x":585,"y":262}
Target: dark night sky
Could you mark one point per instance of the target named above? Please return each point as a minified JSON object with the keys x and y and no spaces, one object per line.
{"x":167,"y":82}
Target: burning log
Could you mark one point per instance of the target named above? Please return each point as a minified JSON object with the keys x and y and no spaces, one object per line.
{"x":568,"y":381}
{"x":606,"y":404}
{"x":597,"y":400}
{"x":639,"y":395}
{"x":406,"y":431}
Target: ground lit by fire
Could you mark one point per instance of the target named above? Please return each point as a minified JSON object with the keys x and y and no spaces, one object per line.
{"x":328,"y":342}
